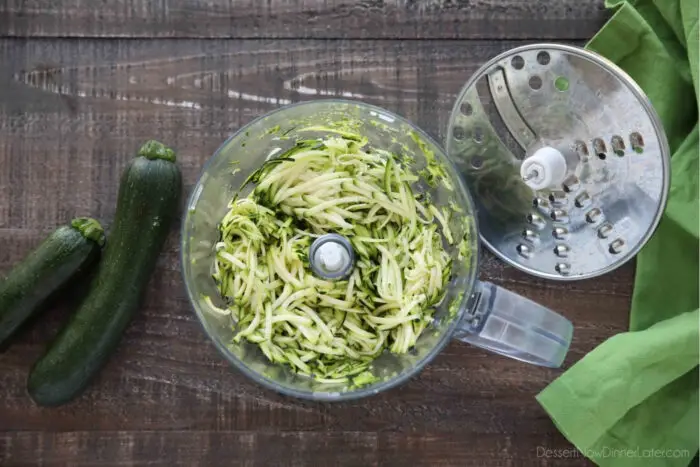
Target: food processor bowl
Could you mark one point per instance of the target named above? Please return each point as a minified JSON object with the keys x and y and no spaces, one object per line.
{"x":480,"y":313}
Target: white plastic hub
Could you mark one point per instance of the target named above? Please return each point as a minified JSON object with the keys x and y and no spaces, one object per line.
{"x":545,"y":168}
{"x":332,"y":257}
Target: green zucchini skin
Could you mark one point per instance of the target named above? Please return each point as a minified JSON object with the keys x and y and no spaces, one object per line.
{"x":147,"y":205}
{"x":66,"y":253}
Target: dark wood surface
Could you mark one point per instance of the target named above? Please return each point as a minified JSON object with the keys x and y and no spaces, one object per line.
{"x":301,"y":19}
{"x":75,"y":106}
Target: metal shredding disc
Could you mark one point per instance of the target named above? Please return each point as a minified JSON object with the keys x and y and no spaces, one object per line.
{"x":565,"y":158}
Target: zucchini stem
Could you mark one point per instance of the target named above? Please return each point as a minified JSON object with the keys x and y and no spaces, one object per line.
{"x":155,"y":150}
{"x":90,"y":229}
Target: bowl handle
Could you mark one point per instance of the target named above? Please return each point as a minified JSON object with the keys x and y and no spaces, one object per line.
{"x":509,"y":324}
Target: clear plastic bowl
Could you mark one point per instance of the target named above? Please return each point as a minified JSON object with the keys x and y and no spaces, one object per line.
{"x":250,"y":146}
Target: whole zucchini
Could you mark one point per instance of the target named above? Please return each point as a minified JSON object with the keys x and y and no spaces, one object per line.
{"x":149,"y":195}
{"x":49,"y":268}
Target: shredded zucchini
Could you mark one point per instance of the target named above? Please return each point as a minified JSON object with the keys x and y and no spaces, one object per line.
{"x":333,"y":330}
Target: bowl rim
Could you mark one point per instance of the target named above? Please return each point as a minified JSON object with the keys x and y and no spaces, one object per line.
{"x":382,"y":386}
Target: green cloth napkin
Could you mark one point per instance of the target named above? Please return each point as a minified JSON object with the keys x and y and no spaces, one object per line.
{"x":634,"y":399}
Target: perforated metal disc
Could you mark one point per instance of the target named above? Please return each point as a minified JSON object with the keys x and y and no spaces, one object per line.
{"x":616,"y":183}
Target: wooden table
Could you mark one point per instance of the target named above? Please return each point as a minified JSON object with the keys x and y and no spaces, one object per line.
{"x":84,"y":83}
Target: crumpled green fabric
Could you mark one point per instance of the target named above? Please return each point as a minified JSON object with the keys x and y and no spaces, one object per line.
{"x":633,"y":401}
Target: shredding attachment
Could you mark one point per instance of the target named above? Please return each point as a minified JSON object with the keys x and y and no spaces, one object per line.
{"x":565,"y":158}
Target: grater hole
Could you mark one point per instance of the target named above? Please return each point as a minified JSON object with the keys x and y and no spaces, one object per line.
{"x":530,"y":235}
{"x":562,"y":250}
{"x":557,"y":198}
{"x":599,"y":148}
{"x":543,"y":58}
{"x":535,"y":82}
{"x":582,"y":200}
{"x":477,"y":162}
{"x":478,"y":135}
{"x":605,"y":230}
{"x":560,"y":232}
{"x":637,"y":142}
{"x":517,"y":62}
{"x":618,"y":145}
{"x":536,"y":220}
{"x":523,"y":250}
{"x":540,"y":202}
{"x":571,"y":184}
{"x":593,"y":215}
{"x":561,"y":83}
{"x":616,"y":246}
{"x":563,"y":268}
{"x":581,"y":150}
{"x":458,"y":133}
{"x":466,"y":108}
{"x":559,"y":215}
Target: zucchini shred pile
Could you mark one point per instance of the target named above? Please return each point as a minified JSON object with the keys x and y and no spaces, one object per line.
{"x":331,"y":330}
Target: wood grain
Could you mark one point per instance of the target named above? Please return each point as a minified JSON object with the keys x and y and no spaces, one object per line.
{"x":293,"y":448}
{"x":72,"y":112}
{"x":301,"y":19}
